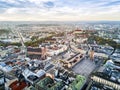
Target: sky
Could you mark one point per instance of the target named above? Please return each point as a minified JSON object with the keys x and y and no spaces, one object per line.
{"x":59,"y":10}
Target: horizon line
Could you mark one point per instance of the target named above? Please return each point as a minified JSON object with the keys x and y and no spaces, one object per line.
{"x":60,"y":21}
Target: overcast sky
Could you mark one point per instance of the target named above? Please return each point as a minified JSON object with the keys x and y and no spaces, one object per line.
{"x":59,"y":10}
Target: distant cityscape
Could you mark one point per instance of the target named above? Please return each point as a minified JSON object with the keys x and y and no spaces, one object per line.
{"x":60,"y":55}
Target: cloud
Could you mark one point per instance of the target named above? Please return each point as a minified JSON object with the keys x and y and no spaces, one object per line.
{"x":59,"y":10}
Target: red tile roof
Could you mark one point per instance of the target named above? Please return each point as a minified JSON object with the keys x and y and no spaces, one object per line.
{"x":18,"y":85}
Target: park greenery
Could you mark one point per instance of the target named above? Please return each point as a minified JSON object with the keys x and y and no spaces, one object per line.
{"x":104,"y":41}
{"x":4,"y":31}
{"x":35,"y":41}
{"x":7,"y":44}
{"x":29,"y":43}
